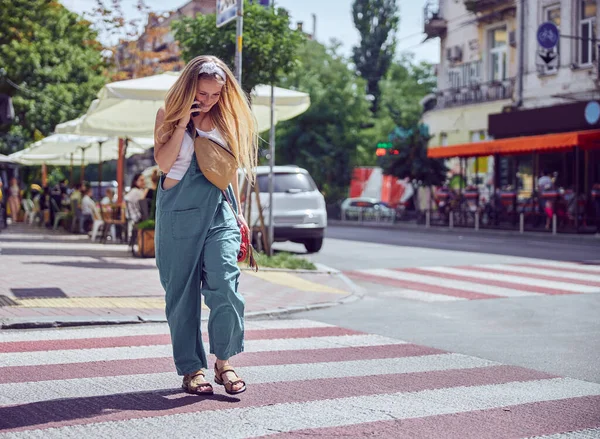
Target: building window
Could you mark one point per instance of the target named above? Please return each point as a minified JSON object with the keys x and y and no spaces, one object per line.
{"x":552,"y":15}
{"x":498,"y":54}
{"x":587,"y":32}
{"x":479,"y":136}
{"x":465,"y":75}
{"x":443,"y":139}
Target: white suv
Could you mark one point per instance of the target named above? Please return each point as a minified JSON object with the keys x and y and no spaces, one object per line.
{"x":299,"y":213}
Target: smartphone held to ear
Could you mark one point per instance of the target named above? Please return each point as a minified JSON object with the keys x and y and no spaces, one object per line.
{"x":195,"y":113}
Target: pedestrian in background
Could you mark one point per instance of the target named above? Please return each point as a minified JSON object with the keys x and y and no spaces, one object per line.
{"x":197,"y":236}
{"x":14,"y":199}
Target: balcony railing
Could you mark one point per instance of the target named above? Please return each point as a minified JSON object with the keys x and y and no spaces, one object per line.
{"x":475,"y":94}
{"x":476,"y":6}
{"x":434,"y":24}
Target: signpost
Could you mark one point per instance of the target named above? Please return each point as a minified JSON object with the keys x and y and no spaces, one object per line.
{"x":226,"y":11}
{"x":547,"y":37}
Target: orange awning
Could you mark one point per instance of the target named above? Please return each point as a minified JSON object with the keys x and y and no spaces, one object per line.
{"x":520,"y":145}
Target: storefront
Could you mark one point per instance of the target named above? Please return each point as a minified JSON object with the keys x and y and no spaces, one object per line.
{"x":566,"y":164}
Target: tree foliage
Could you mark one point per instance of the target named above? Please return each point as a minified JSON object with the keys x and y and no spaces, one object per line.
{"x":402,"y":88}
{"x":376,"y":22}
{"x":52,"y":55}
{"x":411,"y":160}
{"x":324,"y":139}
{"x":269,"y":45}
{"x":144,"y":48}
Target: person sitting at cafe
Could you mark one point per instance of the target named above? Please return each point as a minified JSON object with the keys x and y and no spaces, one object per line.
{"x":109,"y":197}
{"x":89,"y":212}
{"x":76,"y":193}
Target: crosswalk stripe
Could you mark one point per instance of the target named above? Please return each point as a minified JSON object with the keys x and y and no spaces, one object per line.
{"x":567,"y":266}
{"x":16,"y":393}
{"x":324,"y":386}
{"x":148,"y":340}
{"x":548,"y":271}
{"x":388,"y":277}
{"x":458,"y":273}
{"x":590,"y":433}
{"x":446,"y":277}
{"x":475,"y":272}
{"x":262,"y":420}
{"x":418,"y":295}
{"x":138,"y":352}
{"x":37,"y":373}
{"x":534,"y":273}
{"x":435,"y":281}
{"x":510,"y":422}
{"x":141,"y":329}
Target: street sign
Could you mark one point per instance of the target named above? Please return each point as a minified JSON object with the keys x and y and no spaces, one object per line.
{"x":262,"y":2}
{"x":548,"y":56}
{"x":592,"y":112}
{"x":547,"y":35}
{"x":226,"y":11}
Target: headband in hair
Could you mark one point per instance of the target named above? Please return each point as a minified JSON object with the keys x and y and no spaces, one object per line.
{"x":211,"y":68}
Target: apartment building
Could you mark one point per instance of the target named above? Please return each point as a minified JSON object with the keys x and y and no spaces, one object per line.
{"x":509,"y":108}
{"x":156,"y":50}
{"x":476,"y":74}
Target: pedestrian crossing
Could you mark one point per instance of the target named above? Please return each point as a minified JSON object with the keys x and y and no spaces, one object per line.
{"x":304,"y":378}
{"x":489,"y":281}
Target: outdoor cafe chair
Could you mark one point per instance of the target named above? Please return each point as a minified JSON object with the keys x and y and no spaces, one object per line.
{"x":113,"y":217}
{"x":59,"y":215}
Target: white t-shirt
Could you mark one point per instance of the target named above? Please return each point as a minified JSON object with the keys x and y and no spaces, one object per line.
{"x":182,"y":163}
{"x":134,"y":195}
{"x":545,"y":183}
{"x":88,"y":206}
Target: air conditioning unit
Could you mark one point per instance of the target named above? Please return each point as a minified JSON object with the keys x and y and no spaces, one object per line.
{"x":454,"y":53}
{"x":512,"y":38}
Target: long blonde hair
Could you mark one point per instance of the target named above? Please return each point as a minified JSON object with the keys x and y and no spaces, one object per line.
{"x":231,"y":114}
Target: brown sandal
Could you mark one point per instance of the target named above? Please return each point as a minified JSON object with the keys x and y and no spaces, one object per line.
{"x":229,"y":384}
{"x":192,"y":384}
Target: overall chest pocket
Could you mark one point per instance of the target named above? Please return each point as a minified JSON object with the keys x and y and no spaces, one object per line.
{"x":189,"y":223}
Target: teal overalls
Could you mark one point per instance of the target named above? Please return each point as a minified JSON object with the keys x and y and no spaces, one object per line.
{"x":197,"y":241}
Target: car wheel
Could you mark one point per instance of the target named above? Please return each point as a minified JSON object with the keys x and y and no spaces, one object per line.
{"x":313,"y":245}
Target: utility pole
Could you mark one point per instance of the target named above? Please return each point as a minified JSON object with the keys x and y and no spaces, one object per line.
{"x":272,"y":162}
{"x":239,"y":32}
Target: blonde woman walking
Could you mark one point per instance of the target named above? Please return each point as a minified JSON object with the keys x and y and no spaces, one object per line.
{"x":197,"y":236}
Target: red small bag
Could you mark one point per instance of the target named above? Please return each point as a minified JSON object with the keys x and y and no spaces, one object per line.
{"x":246,"y":252}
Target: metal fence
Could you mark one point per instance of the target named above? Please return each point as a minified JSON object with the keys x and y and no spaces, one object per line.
{"x":502,"y":213}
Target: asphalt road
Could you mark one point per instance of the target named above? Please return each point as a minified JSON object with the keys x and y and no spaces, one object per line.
{"x":559,"y":334}
{"x":563,"y":248}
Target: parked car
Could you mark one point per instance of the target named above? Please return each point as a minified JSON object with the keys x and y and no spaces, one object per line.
{"x":367,"y":209}
{"x":299,"y":213}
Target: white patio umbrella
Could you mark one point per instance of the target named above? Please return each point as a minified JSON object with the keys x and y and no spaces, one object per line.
{"x":128,"y":108}
{"x":57,"y":149}
{"x":6,"y":159}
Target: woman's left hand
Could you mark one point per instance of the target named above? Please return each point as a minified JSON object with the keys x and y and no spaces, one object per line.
{"x":243,"y":220}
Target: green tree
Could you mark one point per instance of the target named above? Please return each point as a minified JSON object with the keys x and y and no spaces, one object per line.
{"x":408,"y":158}
{"x":53,"y":58}
{"x":269,"y":47}
{"x":402,"y":89}
{"x":324,"y":139}
{"x":377,"y":22}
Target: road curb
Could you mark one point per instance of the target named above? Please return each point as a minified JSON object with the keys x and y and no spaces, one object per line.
{"x":590,"y":238}
{"x":356,"y":293}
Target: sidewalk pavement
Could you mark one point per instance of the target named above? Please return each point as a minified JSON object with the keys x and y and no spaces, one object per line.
{"x":49,"y":278}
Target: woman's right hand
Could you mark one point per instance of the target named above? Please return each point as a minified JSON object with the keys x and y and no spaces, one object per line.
{"x":186,"y":119}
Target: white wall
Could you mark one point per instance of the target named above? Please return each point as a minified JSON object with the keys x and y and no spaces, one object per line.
{"x":459,"y":33}
{"x":539,"y":87}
